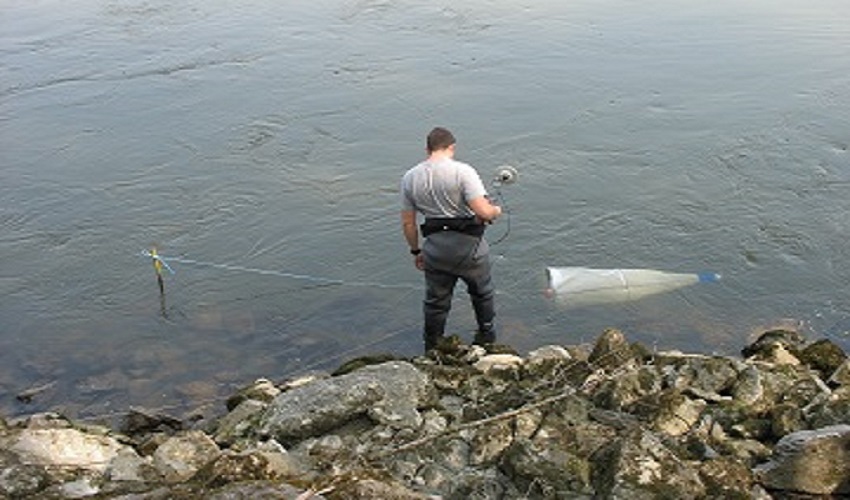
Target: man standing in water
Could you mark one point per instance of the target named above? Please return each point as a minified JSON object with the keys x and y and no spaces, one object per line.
{"x":453,"y":200}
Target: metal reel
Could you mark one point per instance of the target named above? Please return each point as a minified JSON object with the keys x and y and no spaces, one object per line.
{"x":505,"y":174}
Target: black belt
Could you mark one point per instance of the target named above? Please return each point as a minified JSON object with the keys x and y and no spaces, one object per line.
{"x":465,"y":225}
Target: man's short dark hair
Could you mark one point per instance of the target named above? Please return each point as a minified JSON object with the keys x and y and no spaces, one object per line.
{"x":439,"y":139}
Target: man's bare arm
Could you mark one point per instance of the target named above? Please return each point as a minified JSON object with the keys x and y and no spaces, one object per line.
{"x":408,"y":227}
{"x":485,"y":209}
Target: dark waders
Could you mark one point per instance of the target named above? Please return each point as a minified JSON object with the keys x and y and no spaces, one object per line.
{"x":452,"y":254}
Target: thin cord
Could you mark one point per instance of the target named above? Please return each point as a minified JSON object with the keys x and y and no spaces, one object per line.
{"x":501,"y":197}
{"x":281,"y":274}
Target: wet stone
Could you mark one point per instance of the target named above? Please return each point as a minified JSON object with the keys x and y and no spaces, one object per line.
{"x":262,"y":390}
{"x":140,"y":421}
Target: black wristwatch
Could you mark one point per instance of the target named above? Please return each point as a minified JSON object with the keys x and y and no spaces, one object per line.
{"x":415,"y":252}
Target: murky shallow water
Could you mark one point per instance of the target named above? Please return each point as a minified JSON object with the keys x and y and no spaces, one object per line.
{"x":653,"y":134}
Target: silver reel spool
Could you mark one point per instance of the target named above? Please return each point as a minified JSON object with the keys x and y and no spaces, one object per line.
{"x":505,"y":175}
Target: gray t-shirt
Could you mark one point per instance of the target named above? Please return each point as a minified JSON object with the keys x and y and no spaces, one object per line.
{"x":441,"y":189}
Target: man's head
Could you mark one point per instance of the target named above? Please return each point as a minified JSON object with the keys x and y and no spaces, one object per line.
{"x":439,"y":139}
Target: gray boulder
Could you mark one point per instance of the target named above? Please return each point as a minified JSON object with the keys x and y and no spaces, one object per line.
{"x":388,"y":393}
{"x":812,"y":462}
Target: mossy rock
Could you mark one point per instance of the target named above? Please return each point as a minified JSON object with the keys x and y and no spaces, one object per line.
{"x":726,"y":478}
{"x":500,"y":349}
{"x":823,"y":356}
{"x":500,"y":404}
{"x":729,"y":413}
{"x":450,"y":350}
{"x":448,"y":378}
{"x":785,"y":418}
{"x":611,"y":350}
{"x":542,"y":472}
{"x":572,"y":373}
{"x":234,"y":467}
{"x":791,"y":340}
{"x":641,"y":352}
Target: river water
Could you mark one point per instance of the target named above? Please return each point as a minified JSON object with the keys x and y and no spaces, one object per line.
{"x":261,"y":144}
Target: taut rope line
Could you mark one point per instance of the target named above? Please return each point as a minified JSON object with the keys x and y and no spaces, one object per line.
{"x":271,"y":272}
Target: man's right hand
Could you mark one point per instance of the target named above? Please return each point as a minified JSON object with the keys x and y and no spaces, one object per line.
{"x":419,"y":262}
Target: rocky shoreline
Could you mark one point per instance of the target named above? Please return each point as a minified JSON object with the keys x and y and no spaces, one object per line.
{"x":610,"y":420}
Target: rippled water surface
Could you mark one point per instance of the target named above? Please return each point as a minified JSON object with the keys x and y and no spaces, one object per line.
{"x":261,"y":142}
